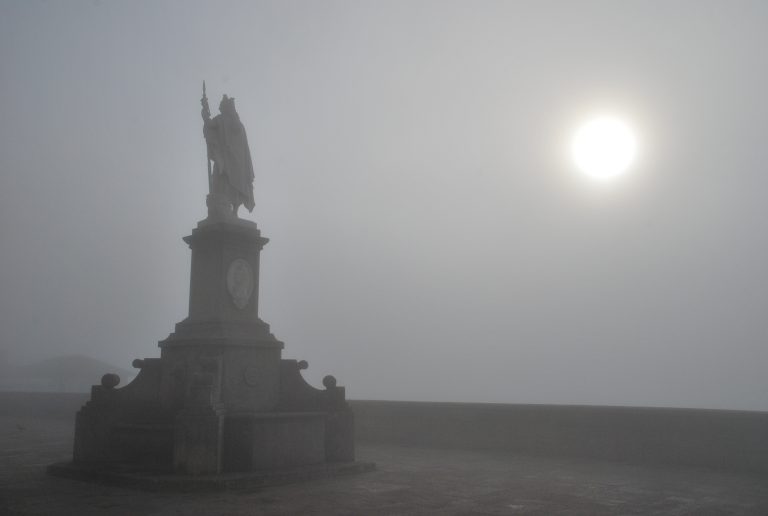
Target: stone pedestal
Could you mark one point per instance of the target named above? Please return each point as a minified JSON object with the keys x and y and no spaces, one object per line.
{"x":223,"y":335}
{"x":220,"y":398}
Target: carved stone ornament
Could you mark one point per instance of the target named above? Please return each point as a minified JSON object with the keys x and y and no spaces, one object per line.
{"x":251,"y":376}
{"x":240,"y":282}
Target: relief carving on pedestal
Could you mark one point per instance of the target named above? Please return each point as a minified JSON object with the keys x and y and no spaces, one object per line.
{"x":240,"y":282}
{"x":251,"y":376}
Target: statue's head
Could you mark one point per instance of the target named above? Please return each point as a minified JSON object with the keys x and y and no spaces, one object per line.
{"x":227,"y":105}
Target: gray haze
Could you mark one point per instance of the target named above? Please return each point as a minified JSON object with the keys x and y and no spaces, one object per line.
{"x":430,"y":239}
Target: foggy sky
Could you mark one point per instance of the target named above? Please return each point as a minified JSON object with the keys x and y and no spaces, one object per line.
{"x":429,"y":237}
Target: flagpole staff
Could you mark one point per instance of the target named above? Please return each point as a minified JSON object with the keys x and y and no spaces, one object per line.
{"x":207,"y":118}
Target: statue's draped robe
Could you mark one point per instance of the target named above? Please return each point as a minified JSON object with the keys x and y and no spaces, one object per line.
{"x":232,"y":166}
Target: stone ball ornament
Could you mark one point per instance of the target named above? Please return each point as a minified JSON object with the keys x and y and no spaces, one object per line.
{"x":110,"y":381}
{"x":329,"y":382}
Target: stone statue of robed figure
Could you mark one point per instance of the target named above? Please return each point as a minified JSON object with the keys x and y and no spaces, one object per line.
{"x":230,"y":182}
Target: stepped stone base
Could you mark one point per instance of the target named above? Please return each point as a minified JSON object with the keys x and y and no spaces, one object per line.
{"x":127,"y":476}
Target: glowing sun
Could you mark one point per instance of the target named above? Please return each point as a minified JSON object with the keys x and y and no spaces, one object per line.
{"x":603,"y":147}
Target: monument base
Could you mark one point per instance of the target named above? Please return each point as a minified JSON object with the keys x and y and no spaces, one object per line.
{"x":220,"y":400}
{"x":128,"y":477}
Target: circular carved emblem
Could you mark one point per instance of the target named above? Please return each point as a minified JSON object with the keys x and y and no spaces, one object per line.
{"x":251,"y":375}
{"x":240,"y":282}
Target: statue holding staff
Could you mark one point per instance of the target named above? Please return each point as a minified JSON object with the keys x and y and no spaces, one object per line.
{"x":230,"y":183}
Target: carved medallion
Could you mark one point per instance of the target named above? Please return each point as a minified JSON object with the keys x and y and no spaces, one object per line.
{"x":251,"y":376}
{"x":240,"y":282}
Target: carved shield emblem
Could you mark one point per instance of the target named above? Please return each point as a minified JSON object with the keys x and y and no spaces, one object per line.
{"x":240,"y":282}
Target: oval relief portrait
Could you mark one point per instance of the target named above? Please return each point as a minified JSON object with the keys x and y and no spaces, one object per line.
{"x":240,"y":282}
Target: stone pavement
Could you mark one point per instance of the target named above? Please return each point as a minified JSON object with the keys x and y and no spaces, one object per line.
{"x":408,"y":481}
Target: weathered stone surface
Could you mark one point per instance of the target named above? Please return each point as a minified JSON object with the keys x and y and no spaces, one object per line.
{"x":274,"y":440}
{"x":197,"y":439}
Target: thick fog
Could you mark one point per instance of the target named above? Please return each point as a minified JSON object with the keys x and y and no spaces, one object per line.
{"x":430,"y":238}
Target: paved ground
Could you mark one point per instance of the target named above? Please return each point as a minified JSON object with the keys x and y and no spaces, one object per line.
{"x":408,"y":481}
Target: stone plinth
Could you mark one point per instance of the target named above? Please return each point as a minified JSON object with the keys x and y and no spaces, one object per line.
{"x":220,"y":398}
{"x":225,"y":272}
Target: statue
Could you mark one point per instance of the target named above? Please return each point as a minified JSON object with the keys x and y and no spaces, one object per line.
{"x":230,"y":183}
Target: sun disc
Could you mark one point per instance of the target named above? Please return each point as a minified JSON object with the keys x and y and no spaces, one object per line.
{"x":603,"y":147}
